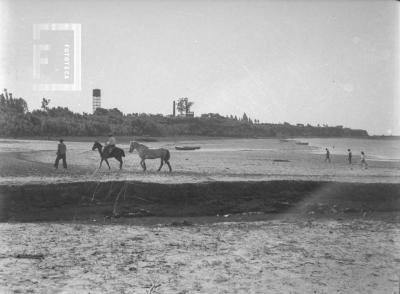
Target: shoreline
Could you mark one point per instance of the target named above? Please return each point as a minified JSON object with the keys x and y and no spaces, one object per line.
{"x":124,"y":139}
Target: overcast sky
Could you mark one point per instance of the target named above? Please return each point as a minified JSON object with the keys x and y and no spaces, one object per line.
{"x":317,"y":62}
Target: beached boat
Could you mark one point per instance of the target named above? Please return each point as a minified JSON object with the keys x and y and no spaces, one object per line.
{"x":281,"y":160}
{"x":302,"y":143}
{"x":284,"y":140}
{"x":187,"y":147}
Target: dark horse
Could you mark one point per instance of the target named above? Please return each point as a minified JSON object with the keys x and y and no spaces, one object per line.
{"x":117,"y":153}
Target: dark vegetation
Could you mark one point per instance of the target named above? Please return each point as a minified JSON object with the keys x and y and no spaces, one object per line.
{"x":16,"y":120}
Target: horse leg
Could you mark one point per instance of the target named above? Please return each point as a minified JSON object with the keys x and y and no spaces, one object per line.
{"x":144,"y":165}
{"x":169,"y":166}
{"x":120,"y":162}
{"x":107,"y":163}
{"x":101,"y":162}
{"x":161,"y":164}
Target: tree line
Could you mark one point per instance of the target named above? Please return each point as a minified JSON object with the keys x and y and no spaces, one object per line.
{"x":16,"y":120}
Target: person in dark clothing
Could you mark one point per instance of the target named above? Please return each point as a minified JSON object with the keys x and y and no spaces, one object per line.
{"x":350,"y":155}
{"x":61,"y":154}
{"x":327,"y":156}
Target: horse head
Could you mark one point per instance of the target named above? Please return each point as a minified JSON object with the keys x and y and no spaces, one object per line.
{"x":97,"y":145}
{"x":132,"y":146}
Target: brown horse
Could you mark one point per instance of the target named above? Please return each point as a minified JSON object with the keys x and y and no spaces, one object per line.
{"x":148,"y":153}
{"x":116,"y":153}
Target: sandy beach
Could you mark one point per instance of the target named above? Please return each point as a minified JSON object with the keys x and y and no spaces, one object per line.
{"x":230,"y":159}
{"x":279,"y":256}
{"x":301,"y":237}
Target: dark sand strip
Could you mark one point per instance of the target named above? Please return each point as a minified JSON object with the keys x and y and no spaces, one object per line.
{"x":88,"y":200}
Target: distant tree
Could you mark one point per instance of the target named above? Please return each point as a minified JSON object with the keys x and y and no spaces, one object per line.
{"x":189,"y":106}
{"x":8,"y":103}
{"x":15,"y":120}
{"x":183,"y":106}
{"x":180,"y":106}
{"x":115,"y":111}
{"x":100,"y":111}
{"x":45,"y":104}
{"x":60,"y":112}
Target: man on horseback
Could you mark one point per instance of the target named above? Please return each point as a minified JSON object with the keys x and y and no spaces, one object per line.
{"x":110,"y":144}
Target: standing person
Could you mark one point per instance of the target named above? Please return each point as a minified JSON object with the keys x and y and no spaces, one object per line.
{"x":61,"y":154}
{"x":110,"y":144}
{"x":363,"y":160}
{"x":327,"y":156}
{"x":349,"y":156}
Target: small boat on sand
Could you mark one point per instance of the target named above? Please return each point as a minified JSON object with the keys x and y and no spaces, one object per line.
{"x":281,"y":160}
{"x":284,"y":140}
{"x":187,"y":147}
{"x":302,"y":143}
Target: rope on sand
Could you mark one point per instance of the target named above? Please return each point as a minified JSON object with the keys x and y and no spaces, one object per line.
{"x":95,"y":190}
{"x":95,"y":171}
{"x":123,"y":189}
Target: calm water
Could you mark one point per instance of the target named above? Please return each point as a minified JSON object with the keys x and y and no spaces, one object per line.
{"x":375,"y":149}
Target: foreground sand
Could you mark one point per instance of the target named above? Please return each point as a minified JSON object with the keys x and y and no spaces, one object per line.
{"x":277,"y":256}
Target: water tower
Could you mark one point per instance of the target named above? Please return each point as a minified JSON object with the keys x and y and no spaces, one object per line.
{"x":96,"y":99}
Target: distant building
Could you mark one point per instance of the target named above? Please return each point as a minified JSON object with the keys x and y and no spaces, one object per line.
{"x":96,"y":99}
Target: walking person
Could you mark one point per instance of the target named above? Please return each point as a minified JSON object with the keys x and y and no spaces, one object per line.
{"x":363,"y":160}
{"x":349,"y":156}
{"x":61,"y":154}
{"x":327,"y":156}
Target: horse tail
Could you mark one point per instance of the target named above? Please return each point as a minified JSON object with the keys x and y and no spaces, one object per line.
{"x":167,"y":155}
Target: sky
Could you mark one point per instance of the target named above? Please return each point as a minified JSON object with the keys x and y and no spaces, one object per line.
{"x":317,"y":62}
